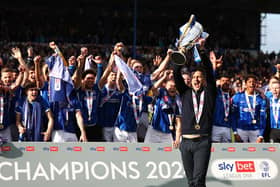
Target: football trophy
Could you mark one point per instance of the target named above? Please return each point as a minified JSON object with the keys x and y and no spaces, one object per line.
{"x":189,"y":34}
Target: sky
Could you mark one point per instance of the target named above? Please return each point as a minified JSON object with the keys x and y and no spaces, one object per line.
{"x":272,"y":32}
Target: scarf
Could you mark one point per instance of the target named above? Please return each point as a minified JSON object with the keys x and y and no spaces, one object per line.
{"x":32,"y":120}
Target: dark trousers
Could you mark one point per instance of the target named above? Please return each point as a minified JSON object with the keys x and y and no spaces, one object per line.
{"x":195,"y":155}
{"x":93,"y":133}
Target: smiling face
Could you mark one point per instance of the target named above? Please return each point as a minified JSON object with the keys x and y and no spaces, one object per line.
{"x":6,"y":78}
{"x":89,"y":81}
{"x":275,"y":89}
{"x":112,"y":78}
{"x":31,"y":75}
{"x":251,"y":85}
{"x":171,"y":87}
{"x":32,"y":94}
{"x":198,"y":80}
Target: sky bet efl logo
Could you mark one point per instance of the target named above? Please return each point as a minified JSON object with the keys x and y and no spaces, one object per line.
{"x":244,"y":169}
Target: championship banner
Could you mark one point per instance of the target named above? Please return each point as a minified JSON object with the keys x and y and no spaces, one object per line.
{"x":137,"y":165}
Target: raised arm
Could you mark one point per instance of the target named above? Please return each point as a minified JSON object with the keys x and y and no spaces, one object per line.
{"x":19,"y":79}
{"x":57,"y":50}
{"x":99,"y":72}
{"x":119,"y":81}
{"x":38,"y":73}
{"x":16,"y":53}
{"x":162,"y":65}
{"x":106,"y":73}
{"x":77,"y":76}
{"x":158,"y":83}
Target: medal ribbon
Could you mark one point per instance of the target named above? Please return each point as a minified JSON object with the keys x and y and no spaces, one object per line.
{"x":251,"y":108}
{"x":89,"y":99}
{"x":198,"y":108}
{"x":137,"y":108}
{"x":275,"y":109}
{"x":226,"y":102}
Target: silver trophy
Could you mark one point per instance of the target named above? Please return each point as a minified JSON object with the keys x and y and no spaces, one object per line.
{"x":189,"y":34}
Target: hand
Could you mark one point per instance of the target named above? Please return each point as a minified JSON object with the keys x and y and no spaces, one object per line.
{"x":167,"y":73}
{"x":169,"y":52}
{"x":21,"y":68}
{"x":129,"y":60}
{"x":90,"y":57}
{"x":80,"y":60}
{"x":157,"y":60}
{"x":47,"y":136}
{"x":16,"y":53}
{"x":37,"y":59}
{"x":237,"y":138}
{"x":83,"y":138}
{"x":98,"y":59}
{"x":21,"y":129}
{"x":84,"y":51}
{"x":176,"y":144}
{"x":259,"y":140}
{"x":52,"y":45}
{"x":201,"y":43}
{"x":216,"y":63}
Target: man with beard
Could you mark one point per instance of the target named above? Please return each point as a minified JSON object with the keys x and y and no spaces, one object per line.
{"x":222,"y":116}
{"x":249,"y":113}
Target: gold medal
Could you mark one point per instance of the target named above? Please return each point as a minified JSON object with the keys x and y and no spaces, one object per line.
{"x":254,"y":121}
{"x":1,"y":126}
{"x":197,"y":126}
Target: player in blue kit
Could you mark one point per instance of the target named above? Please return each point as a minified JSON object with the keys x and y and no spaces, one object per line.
{"x":166,"y":111}
{"x":221,"y":131}
{"x":7,"y":102}
{"x":274,"y":108}
{"x":249,"y":113}
{"x":88,"y":95}
{"x":110,"y":97}
{"x":126,"y":125}
{"x":29,"y":112}
{"x":63,"y":101}
{"x":128,"y":117}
